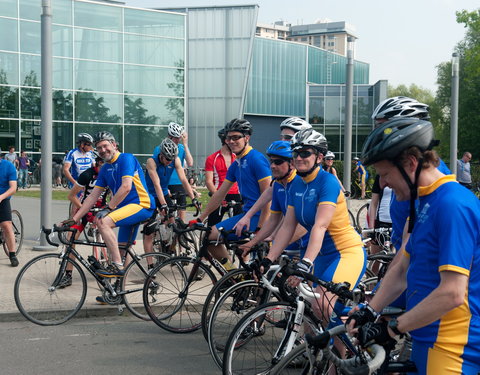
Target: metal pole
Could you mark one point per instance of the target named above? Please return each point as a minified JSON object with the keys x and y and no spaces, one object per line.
{"x":454,"y":114}
{"x":347,"y":155}
{"x":46,"y":142}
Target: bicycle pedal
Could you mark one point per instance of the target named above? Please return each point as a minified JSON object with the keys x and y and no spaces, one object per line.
{"x":120,"y":309}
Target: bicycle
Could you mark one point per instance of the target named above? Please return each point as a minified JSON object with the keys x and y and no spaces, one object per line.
{"x":40,"y":299}
{"x":356,"y":189}
{"x":181,"y":284}
{"x":268,"y":333}
{"x":17,"y":225}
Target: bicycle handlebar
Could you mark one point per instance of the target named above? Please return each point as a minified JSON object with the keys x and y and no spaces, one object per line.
{"x":57,"y":229}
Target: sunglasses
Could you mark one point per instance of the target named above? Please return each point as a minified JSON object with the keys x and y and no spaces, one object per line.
{"x":87,"y":143}
{"x":277,"y":161}
{"x":287,"y":137}
{"x":302,"y":153}
{"x":328,"y":158}
{"x":234,"y":137}
{"x":167,"y":159}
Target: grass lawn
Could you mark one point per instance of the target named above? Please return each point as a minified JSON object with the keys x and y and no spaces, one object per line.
{"x":62,"y":195}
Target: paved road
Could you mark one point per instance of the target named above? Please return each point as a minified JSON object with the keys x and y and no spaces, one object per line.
{"x":101,"y":346}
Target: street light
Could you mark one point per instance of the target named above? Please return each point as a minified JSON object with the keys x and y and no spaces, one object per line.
{"x":454,"y":113}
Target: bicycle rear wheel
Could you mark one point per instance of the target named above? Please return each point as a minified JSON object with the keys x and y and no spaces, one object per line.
{"x":134,"y":279}
{"x":362,"y":217}
{"x":41,"y":302}
{"x":17,"y":226}
{"x":170,"y":302}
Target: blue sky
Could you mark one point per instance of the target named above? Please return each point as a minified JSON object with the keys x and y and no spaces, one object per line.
{"x":403,"y":41}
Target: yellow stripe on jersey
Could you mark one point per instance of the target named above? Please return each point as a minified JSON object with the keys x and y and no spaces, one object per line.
{"x":99,"y":187}
{"x":275,"y":212}
{"x":327,"y":203}
{"x":450,"y":267}
{"x":440,"y":362}
{"x":264,"y":178}
{"x":142,"y":192}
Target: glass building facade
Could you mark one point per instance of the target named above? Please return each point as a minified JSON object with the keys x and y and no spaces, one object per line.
{"x":114,"y":68}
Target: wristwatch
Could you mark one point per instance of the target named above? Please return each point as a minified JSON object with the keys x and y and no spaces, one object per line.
{"x":393,"y":325}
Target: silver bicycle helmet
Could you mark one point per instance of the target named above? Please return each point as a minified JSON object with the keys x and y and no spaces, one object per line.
{"x":175,"y":130}
{"x":168,"y":148}
{"x":295,"y":123}
{"x":104,"y":136}
{"x":400,"y":106}
{"x":310,"y":138}
{"x":330,"y":155}
{"x":84,"y":137}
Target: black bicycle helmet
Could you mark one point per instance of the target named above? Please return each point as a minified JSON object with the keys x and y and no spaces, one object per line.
{"x":310,"y":138}
{"x":392,"y":137}
{"x":84,"y":137}
{"x":400,"y":106}
{"x":104,"y":136}
{"x":222,"y":135}
{"x":239,"y":125}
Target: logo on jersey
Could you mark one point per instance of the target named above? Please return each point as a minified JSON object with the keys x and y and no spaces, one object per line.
{"x":243,"y":163}
{"x":423,"y":215}
{"x":311,"y":196}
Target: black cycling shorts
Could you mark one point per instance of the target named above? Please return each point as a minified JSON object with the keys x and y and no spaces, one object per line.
{"x":182,"y":198}
{"x":216,"y":216}
{"x":5,"y":211}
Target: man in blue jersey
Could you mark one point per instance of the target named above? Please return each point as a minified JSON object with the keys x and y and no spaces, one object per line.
{"x":252,"y":173}
{"x":440,"y":266}
{"x":79,"y":159}
{"x":159,"y":171}
{"x":8,"y":187}
{"x":130,"y":204}
{"x":362,"y":175}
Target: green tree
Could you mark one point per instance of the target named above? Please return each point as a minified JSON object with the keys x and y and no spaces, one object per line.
{"x":90,"y":107}
{"x":468,"y":115}
{"x":136,"y":113}
{"x":175,"y":105}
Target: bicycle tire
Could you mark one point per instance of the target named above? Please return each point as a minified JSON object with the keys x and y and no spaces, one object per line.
{"x":177,"y":310}
{"x":362,"y":217}
{"x":218,"y":289}
{"x":353,"y":223}
{"x":251,"y":350}
{"x":134,"y":280}
{"x":28,"y":183}
{"x":38,"y":301}
{"x":235,"y":303}
{"x":17,"y":226}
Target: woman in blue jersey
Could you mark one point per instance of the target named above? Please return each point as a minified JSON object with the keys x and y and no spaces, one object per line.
{"x":440,"y":267}
{"x":334,"y":251}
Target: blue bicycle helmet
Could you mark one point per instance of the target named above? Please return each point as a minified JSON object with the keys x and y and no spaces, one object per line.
{"x":281,"y":149}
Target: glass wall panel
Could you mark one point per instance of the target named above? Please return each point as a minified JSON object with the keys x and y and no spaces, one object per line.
{"x":31,"y":136}
{"x":30,"y":9}
{"x":30,"y":37}
{"x":154,"y":23}
{"x":98,"y":76}
{"x":30,"y":107}
{"x":30,"y":70}
{"x":62,"y":73}
{"x":8,"y":101}
{"x":8,"y":32}
{"x":364,"y":109}
{"x":153,"y":110}
{"x":62,"y":105}
{"x":62,"y":11}
{"x":153,"y":80}
{"x":62,"y":37}
{"x":8,"y":134}
{"x":140,"y":49}
{"x":116,"y":130}
{"x":98,"y":16}
{"x":62,"y":137}
{"x":8,"y":68}
{"x":143,"y":139}
{"x":334,"y":138}
{"x":8,"y":8}
{"x":332,"y":110}
{"x":95,"y":107}
{"x":98,"y":45}
{"x":317,"y":111}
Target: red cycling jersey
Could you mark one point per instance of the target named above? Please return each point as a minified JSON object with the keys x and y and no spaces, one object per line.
{"x":216,"y":163}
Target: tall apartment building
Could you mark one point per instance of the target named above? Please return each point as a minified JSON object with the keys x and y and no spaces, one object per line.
{"x":279,"y":30}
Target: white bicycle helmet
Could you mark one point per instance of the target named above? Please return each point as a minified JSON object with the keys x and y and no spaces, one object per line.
{"x":295,"y":123}
{"x":330,"y":155}
{"x":84,"y":137}
{"x":168,"y":148}
{"x":175,"y":130}
{"x":310,"y":138}
{"x":400,"y":106}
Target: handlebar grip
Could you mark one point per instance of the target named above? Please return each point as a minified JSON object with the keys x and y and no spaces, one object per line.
{"x":320,"y":341}
{"x":48,"y":232}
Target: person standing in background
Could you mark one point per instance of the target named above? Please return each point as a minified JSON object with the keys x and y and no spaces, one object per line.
{"x":23,"y":163}
{"x":11,"y":156}
{"x":464,"y":177}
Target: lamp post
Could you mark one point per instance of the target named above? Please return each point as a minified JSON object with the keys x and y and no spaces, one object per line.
{"x":347,"y":155}
{"x":454,"y":113}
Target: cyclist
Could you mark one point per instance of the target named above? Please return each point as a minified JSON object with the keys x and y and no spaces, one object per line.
{"x":179,"y":136}
{"x":216,"y":166}
{"x":8,"y":187}
{"x":335,"y":251}
{"x":288,"y":128}
{"x":440,"y":266}
{"x":252,"y":173}
{"x":328,"y":167}
{"x":362,"y":175}
{"x":130,"y":204}
{"x":283,"y":174}
{"x":79,"y":159}
{"x":85,"y":183}
{"x":159,"y":171}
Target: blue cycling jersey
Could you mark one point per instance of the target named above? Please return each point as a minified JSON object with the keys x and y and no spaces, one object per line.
{"x":7,"y":173}
{"x":79,"y":161}
{"x":164,"y":173}
{"x":174,"y":179}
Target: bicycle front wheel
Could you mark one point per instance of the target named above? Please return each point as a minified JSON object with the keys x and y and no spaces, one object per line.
{"x":134,"y":279}
{"x":171,"y":302}
{"x":17,"y":226}
{"x":362,"y":217}
{"x":37,"y":297}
